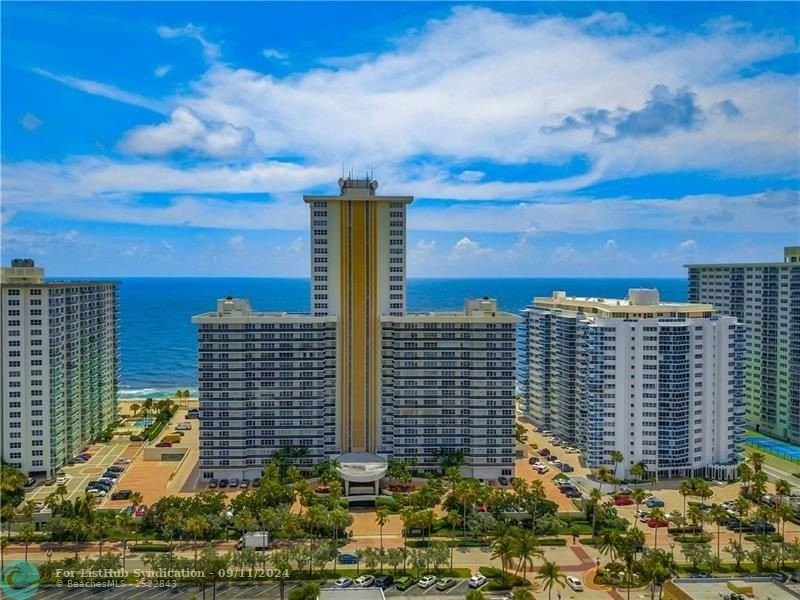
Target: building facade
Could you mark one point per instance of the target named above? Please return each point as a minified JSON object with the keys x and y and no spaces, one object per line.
{"x":359,"y":379}
{"x":60,"y":366}
{"x":765,"y":297}
{"x":662,"y":383}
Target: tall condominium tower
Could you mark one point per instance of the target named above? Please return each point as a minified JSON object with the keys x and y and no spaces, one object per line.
{"x":359,"y":379}
{"x":660,"y":382}
{"x":765,"y":297}
{"x":59,"y":371}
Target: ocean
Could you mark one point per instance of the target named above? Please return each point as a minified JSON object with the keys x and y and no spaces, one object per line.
{"x":158,"y":343}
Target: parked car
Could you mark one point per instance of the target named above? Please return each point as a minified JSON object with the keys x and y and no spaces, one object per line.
{"x":234,"y":482}
{"x":245,"y":484}
{"x":61,"y":480}
{"x":348,"y":559}
{"x":384,"y":581}
{"x":111,"y":475}
{"x":544,"y":452}
{"x":121,"y":495}
{"x":623,"y":501}
{"x":653,"y":502}
{"x":38,"y":505}
{"x":762,"y":527}
{"x":141,"y":510}
{"x":567,"y":468}
{"x":50,"y":481}
{"x":403,"y":583}
{"x":476,"y":581}
{"x":572,"y":493}
{"x":445,"y":583}
{"x":502,"y":480}
{"x":427,"y":581}
{"x":223,"y":483}
{"x":115,"y":469}
{"x":78,"y":459}
{"x":257,"y":482}
{"x":365,"y":581}
{"x":625,"y":491}
{"x":343,"y":582}
{"x":122,"y":461}
{"x":572,"y":450}
{"x":574,"y":583}
{"x":30,"y":482}
{"x":654,"y":523}
{"x":542,"y":469}
{"x":551,"y":458}
{"x":213,"y":483}
{"x":533,"y":460}
{"x":164,"y":445}
{"x":96,"y":492}
{"x":107,"y":480}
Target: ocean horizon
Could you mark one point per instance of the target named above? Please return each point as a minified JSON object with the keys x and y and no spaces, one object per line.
{"x":158,"y":342}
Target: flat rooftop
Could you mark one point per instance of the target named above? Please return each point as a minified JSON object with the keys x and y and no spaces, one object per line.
{"x":718,"y":587}
{"x":639,"y":303}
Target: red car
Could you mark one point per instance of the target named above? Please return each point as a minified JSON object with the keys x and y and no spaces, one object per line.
{"x":653,"y":523}
{"x":544,"y":452}
{"x":141,"y":511}
{"x":623,"y":501}
{"x":481,"y":508}
{"x":164,"y":445}
{"x":86,"y":455}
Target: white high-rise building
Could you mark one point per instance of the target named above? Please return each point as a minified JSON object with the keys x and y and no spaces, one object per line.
{"x":765,"y":297}
{"x":359,"y":379}
{"x":660,"y":382}
{"x":59,"y":370}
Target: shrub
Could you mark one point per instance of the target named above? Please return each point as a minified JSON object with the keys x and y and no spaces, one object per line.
{"x":388,"y":502}
{"x":150,"y":547}
{"x":693,"y":539}
{"x":552,"y":542}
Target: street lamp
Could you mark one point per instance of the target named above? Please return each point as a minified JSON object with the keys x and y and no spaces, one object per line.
{"x":49,"y":555}
{"x":672,"y":551}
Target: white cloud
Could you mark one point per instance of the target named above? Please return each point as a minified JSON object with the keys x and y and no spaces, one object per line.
{"x":687,"y":246}
{"x":210,"y":50}
{"x":30,"y":122}
{"x":273,"y":54}
{"x":162,"y":70}
{"x":185,"y":131}
{"x":71,"y":235}
{"x":611,"y":245}
{"x":105,"y":90}
{"x":236,"y":243}
{"x":466,"y":248}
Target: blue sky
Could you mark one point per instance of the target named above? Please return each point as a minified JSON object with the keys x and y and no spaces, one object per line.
{"x":576,"y":139}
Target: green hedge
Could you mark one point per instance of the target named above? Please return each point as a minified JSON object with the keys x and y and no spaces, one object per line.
{"x":388,"y":502}
{"x":772,"y":537}
{"x":552,"y":542}
{"x":693,"y":539}
{"x":502,"y":580}
{"x":150,"y":548}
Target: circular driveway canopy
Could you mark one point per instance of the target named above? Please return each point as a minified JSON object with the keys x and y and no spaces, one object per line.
{"x":361,"y":467}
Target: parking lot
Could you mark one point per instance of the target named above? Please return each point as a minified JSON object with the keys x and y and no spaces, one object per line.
{"x":228,"y":591}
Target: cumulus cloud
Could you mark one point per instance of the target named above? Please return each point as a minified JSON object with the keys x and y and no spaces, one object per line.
{"x":30,"y":122}
{"x":210,"y":50}
{"x":186,"y":132}
{"x":162,"y":70}
{"x":273,"y":54}
{"x":662,"y":113}
{"x":687,"y":245}
{"x":236,"y":243}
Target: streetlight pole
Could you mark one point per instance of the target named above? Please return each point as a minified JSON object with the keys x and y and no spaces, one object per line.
{"x":672,"y":553}
{"x":49,"y":555}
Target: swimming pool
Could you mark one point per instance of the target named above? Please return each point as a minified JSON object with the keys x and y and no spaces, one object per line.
{"x":143,"y":422}
{"x":777,"y":447}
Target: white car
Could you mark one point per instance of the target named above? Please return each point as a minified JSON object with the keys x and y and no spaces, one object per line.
{"x":343,"y":582}
{"x":476,"y":581}
{"x":365,"y":581}
{"x":61,"y":480}
{"x":96,"y":492}
{"x":541,"y":469}
{"x":572,"y":450}
{"x":426,"y":581}
{"x":574,"y":583}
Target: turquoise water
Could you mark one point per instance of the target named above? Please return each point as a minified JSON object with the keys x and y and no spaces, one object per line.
{"x":143,"y":422}
{"x":159,"y":343}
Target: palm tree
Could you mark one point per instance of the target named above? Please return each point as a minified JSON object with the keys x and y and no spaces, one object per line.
{"x":718,"y":516}
{"x":196,"y":526}
{"x":685,"y":490}
{"x":745,"y":473}
{"x":639,"y":495}
{"x":381,"y":518}
{"x":639,"y":471}
{"x":757,"y":460}
{"x":124,"y":524}
{"x":525,"y":547}
{"x":741,"y":506}
{"x":609,"y":543}
{"x":603,"y":475}
{"x":97,"y":531}
{"x":550,"y":575}
{"x":656,"y":514}
{"x":695,"y":516}
{"x":135,"y":499}
{"x":594,"y":501}
{"x":26,"y":534}
{"x":616,"y":458}
{"x":135,"y":409}
{"x":503,"y":547}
